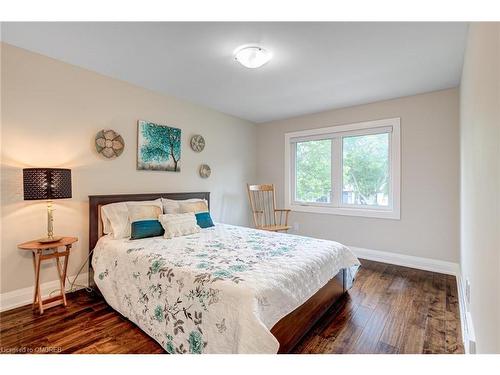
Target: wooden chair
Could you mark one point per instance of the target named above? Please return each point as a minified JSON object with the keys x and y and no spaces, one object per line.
{"x":265,"y":214}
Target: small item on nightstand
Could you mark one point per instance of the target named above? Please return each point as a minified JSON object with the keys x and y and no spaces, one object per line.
{"x":47,"y":184}
{"x":45,"y":251}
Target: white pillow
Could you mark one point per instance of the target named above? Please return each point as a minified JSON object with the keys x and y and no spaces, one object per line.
{"x":171,"y":206}
{"x":109,"y":211}
{"x":176,"y":225}
{"x":117,"y":216}
{"x":106,"y":224}
{"x":195,"y":207}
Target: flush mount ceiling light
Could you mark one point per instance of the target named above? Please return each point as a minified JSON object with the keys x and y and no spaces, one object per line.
{"x":252,"y":57}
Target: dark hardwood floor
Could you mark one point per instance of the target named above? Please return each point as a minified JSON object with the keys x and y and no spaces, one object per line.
{"x":390,"y":309}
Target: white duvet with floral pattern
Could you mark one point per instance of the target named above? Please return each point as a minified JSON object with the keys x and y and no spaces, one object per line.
{"x":217,"y":291}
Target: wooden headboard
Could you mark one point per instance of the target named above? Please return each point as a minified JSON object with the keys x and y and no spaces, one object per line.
{"x":97,"y":201}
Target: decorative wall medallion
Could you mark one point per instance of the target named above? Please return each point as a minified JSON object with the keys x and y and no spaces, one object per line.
{"x":158,"y":147}
{"x":205,"y":171}
{"x":197,"y":143}
{"x":109,"y":143}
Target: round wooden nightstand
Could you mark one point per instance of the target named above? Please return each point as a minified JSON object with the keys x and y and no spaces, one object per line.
{"x":45,"y":251}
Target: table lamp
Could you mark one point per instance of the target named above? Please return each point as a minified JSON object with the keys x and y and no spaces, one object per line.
{"x":47,"y":184}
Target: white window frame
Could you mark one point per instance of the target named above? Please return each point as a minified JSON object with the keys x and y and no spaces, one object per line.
{"x":336,"y":207}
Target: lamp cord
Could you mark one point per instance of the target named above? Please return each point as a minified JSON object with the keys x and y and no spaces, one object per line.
{"x":72,"y":284}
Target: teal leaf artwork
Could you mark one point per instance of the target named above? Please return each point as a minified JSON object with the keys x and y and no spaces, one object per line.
{"x":158,"y":147}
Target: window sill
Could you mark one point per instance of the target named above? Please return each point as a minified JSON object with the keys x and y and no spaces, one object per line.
{"x":346,"y":211}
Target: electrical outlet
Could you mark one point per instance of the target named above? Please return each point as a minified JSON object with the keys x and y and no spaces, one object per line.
{"x":472,"y":347}
{"x":295,"y":227}
{"x":470,"y":334}
{"x":467,"y":292}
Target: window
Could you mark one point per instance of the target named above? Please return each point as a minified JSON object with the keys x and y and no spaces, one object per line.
{"x":347,"y":170}
{"x":365,"y":170}
{"x":313,"y":166}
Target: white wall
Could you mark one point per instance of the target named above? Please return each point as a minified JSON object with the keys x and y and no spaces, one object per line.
{"x":480,"y":181}
{"x":51,"y":112}
{"x":429,"y":222}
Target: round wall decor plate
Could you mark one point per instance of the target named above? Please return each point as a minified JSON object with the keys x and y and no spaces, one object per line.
{"x":109,"y":143}
{"x":205,"y":171}
{"x":197,"y":143}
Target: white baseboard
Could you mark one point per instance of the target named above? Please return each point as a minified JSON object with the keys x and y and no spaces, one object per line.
{"x":426,"y":264}
{"x":21,"y":297}
{"x":433,"y":265}
{"x":468,"y":335}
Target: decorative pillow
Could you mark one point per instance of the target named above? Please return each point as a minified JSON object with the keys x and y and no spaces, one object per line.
{"x":144,"y":221}
{"x":204,"y":220}
{"x":176,"y":225}
{"x":195,"y":207}
{"x":115,"y":217}
{"x":171,"y":206}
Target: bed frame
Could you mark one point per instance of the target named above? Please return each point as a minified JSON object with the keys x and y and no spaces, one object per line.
{"x":290,"y":329}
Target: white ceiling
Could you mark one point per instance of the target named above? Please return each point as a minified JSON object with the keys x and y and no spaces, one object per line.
{"x":316,"y":66}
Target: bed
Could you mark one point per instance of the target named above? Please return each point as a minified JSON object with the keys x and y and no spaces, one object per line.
{"x":226,"y":289}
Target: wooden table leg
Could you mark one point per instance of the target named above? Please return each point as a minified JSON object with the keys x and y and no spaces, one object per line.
{"x":37,"y":280}
{"x":62,"y":280}
{"x":35,"y":297}
{"x":65,"y":272}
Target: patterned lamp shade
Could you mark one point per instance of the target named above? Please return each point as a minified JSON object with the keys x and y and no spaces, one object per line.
{"x":46,"y":183}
